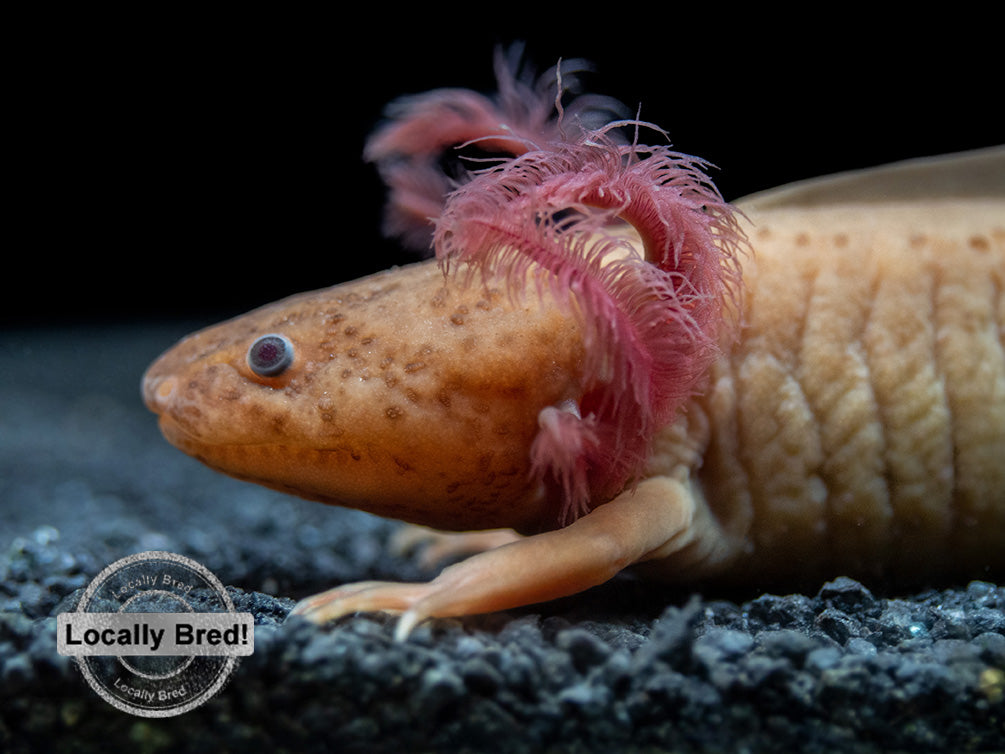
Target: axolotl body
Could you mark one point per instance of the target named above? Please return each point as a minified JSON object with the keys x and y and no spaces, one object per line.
{"x":848,"y":416}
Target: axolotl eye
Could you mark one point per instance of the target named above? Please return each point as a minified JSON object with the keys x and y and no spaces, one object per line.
{"x":270,"y":355}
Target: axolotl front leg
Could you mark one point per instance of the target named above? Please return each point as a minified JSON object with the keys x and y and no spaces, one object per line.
{"x":649,"y":522}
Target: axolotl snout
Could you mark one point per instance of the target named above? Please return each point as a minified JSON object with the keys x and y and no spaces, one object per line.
{"x":635,"y":373}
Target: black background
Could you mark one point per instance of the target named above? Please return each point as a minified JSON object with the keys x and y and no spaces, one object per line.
{"x":188,"y":166}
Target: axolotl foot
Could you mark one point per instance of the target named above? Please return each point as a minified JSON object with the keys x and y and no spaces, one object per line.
{"x":413,"y":601}
{"x":651,"y":521}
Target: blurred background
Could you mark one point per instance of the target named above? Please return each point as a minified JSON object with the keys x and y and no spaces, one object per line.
{"x":182,"y":165}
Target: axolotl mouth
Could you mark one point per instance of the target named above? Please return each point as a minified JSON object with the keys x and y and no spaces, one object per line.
{"x":410,"y":394}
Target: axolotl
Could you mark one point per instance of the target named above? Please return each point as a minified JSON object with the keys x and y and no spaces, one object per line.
{"x":608,"y":366}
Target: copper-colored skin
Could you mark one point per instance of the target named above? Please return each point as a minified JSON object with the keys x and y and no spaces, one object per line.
{"x":856,"y":426}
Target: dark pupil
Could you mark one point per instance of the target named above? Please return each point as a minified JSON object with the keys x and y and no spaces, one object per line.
{"x":270,"y":355}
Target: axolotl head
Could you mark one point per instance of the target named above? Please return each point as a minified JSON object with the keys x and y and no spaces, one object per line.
{"x":576,"y":304}
{"x":518,"y":383}
{"x":410,"y":394}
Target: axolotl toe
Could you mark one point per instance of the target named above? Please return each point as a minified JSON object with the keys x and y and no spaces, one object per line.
{"x":634,"y":373}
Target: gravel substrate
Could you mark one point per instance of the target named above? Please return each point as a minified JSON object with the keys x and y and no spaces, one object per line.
{"x":85,"y":479}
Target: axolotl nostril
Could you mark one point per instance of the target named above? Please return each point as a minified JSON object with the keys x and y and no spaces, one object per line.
{"x":626,"y":371}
